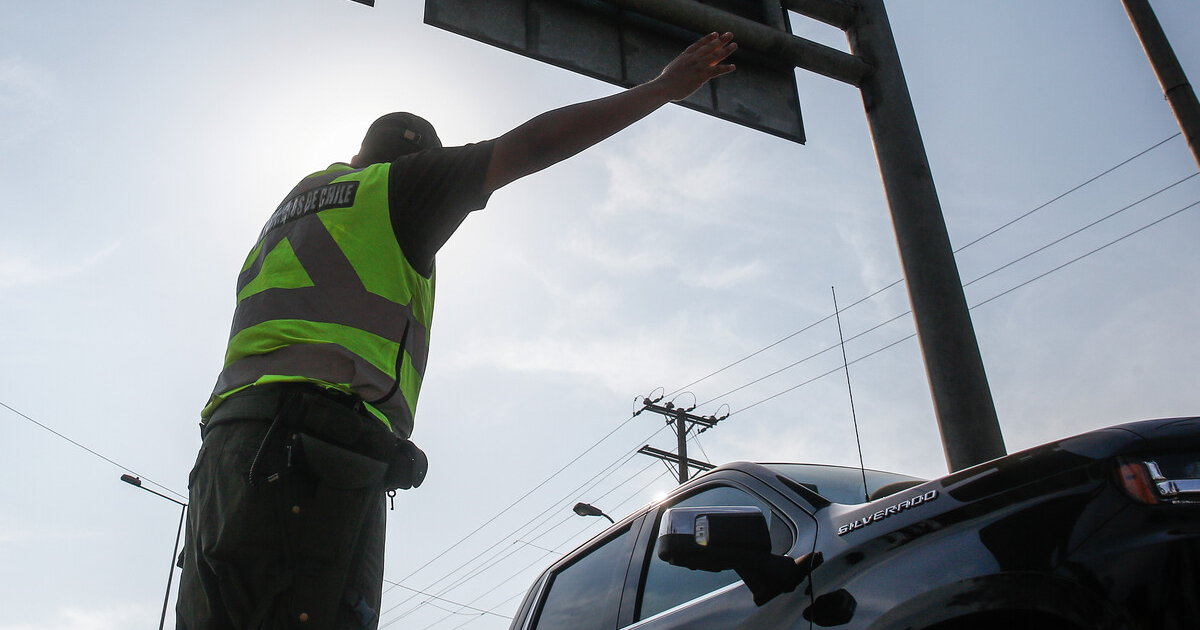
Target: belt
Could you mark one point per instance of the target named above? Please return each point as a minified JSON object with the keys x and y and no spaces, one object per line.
{"x":329,"y":414}
{"x":262,"y":402}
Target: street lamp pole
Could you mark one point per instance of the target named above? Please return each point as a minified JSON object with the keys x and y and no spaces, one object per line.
{"x":135,"y":481}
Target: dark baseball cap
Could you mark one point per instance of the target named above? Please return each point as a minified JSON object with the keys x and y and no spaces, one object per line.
{"x":394,"y":135}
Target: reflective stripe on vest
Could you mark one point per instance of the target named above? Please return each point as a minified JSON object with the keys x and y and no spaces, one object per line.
{"x":328,"y":297}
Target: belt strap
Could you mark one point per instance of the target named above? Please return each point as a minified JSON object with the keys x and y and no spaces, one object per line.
{"x":327,"y":414}
{"x":263,"y":402}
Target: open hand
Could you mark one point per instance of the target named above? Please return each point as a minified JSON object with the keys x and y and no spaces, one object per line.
{"x":696,"y":65}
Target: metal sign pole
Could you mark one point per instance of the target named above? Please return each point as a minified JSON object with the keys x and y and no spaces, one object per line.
{"x":962,"y":399}
{"x":1178,"y":91}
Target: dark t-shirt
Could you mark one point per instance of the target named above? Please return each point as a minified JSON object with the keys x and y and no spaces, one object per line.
{"x":431,"y":192}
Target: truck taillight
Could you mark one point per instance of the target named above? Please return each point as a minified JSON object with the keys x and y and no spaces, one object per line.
{"x":1172,"y":478}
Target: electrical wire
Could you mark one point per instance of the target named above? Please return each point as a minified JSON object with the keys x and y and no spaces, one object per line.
{"x":806,"y":359}
{"x":977,"y":305}
{"x":636,"y":493}
{"x":554,"y":508}
{"x":480,"y":610}
{"x":564,"y":521}
{"x":1079,"y":258}
{"x":696,"y":440}
{"x":595,"y":478}
{"x":1097,"y":177}
{"x":996,"y":270}
{"x":518,"y":501}
{"x":1088,"y":226}
{"x":772,"y":345}
{"x":896,"y":282}
{"x":693,"y":438}
{"x":93,"y":452}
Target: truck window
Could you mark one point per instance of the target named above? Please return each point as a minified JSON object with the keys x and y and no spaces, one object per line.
{"x":584,"y":595}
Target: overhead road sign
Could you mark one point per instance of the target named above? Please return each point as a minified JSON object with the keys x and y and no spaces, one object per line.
{"x":627,"y":43}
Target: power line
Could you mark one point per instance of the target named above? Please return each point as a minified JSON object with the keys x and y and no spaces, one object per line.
{"x":503,"y":553}
{"x":1088,"y":226}
{"x":561,"y":522}
{"x":896,"y":282}
{"x":443,"y":599}
{"x":597,"y":478}
{"x":977,"y":305}
{"x":564,"y":521}
{"x":1138,"y":155}
{"x":806,"y":359}
{"x":772,"y":345}
{"x":1075,"y":260}
{"x":1006,"y":265}
{"x":93,"y":452}
{"x":631,"y":496}
{"x":821,"y":376}
{"x":515,"y":503}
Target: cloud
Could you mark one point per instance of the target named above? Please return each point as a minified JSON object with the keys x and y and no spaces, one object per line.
{"x":656,"y":174}
{"x":28,"y":98}
{"x":719,"y":274}
{"x":642,"y":255}
{"x":620,"y":366}
{"x":20,"y":269}
{"x":619,"y":359}
{"x":23,"y":537}
{"x":120,"y":617}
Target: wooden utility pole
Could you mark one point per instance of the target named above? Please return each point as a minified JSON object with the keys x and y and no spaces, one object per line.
{"x":683,"y":421}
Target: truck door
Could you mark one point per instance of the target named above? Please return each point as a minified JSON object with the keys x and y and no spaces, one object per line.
{"x":660,"y":596}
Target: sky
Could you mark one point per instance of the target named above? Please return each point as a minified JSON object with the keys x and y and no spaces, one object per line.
{"x":145,"y":142}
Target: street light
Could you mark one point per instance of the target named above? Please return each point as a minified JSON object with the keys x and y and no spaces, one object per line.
{"x":135,"y":481}
{"x":583,"y":509}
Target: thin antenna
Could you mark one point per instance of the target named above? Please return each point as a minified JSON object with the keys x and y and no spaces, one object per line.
{"x":861,"y":466}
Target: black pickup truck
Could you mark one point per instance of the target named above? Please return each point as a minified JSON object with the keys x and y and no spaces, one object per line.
{"x":1101,"y":530}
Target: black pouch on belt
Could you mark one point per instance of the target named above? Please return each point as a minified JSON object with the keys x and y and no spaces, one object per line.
{"x":339,"y":467}
{"x":407,"y":466}
{"x":326,"y":420}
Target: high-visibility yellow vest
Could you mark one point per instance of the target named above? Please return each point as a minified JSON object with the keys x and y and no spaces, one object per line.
{"x":327,"y":297}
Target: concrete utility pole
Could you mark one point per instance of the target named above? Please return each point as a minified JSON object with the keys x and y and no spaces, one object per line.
{"x":1174,"y":81}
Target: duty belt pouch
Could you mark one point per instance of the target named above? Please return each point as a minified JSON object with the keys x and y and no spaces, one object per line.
{"x":340,"y":468}
{"x":407,"y":466}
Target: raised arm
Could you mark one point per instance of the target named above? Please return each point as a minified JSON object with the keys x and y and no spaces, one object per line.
{"x":561,"y":133}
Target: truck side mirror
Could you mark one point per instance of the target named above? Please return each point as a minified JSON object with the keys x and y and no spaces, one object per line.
{"x":714,"y":538}
{"x":738,"y":538}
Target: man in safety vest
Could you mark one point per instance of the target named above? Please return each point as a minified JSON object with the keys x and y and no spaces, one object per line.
{"x":308,"y":425}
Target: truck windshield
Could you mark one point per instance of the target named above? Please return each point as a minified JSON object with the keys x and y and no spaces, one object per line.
{"x":841,"y":484}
